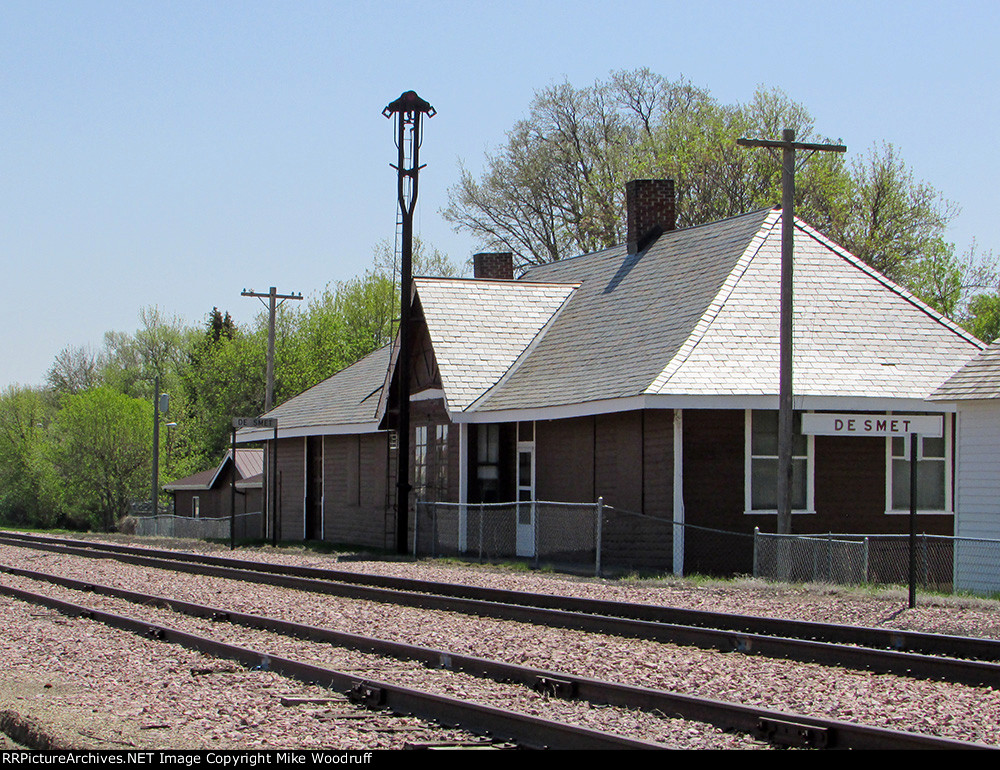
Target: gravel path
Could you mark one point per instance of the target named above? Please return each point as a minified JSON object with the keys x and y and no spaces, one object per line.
{"x":931,"y":707}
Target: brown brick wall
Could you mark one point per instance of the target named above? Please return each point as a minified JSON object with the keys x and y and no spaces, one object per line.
{"x":564,"y":460}
{"x":849,"y":492}
{"x":626,"y":458}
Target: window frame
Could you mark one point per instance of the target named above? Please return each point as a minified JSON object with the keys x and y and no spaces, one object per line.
{"x":749,"y":457}
{"x":949,"y":471}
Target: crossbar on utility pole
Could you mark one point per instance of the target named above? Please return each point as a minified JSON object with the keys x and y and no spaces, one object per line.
{"x":788,"y":146}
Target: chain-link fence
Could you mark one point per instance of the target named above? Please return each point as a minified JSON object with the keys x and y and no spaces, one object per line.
{"x":564,"y":533}
{"x":589,"y":537}
{"x":249,"y":526}
{"x":848,"y":559}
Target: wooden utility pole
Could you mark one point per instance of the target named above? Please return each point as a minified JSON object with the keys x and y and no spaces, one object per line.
{"x":271,"y":463}
{"x":272,"y":307}
{"x":788,"y":146}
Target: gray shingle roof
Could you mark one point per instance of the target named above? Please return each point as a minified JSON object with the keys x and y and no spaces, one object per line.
{"x":629,"y":317}
{"x":697,"y":314}
{"x":249,"y":464}
{"x":348,"y":398}
{"x":978,"y":379}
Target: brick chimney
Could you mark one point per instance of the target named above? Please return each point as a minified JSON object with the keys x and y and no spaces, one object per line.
{"x":497,"y":267}
{"x":650,"y":211}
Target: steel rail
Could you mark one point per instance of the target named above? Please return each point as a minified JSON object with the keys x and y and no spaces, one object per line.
{"x":916,"y":665}
{"x":778,"y":727}
{"x":524,"y":729}
{"x":963,"y":647}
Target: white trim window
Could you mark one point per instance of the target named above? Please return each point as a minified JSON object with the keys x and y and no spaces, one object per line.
{"x":420,"y":462}
{"x":934,"y":476}
{"x":761,"y":464}
{"x":195,"y":507}
{"x":441,"y":462}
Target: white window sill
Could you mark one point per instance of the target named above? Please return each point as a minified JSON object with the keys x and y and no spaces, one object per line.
{"x":906,"y":512}
{"x":774,"y":512}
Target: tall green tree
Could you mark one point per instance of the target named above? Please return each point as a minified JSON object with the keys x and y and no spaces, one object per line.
{"x":158,"y":348}
{"x":891,"y":219}
{"x":101,"y":451}
{"x":983,"y":316}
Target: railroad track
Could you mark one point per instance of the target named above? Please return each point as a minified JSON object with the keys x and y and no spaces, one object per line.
{"x":784,"y":728}
{"x":963,"y":660}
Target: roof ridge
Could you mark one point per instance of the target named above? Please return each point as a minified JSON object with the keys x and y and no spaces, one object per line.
{"x":714,"y":307}
{"x":903,"y":292}
{"x":668,"y":233}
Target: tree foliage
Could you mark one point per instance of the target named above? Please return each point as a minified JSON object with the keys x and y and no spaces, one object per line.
{"x":79,"y":452}
{"x":101,"y":450}
{"x":75,"y":369}
{"x":555,"y":188}
{"x":27,"y":484}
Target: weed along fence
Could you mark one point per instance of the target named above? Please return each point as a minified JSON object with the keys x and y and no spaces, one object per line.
{"x":248,"y":526}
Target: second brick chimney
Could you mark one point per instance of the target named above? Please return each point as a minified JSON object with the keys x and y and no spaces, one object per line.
{"x":494,"y":266}
{"x":650,"y":211}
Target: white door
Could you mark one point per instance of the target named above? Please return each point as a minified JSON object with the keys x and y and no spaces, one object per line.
{"x":526,"y":498}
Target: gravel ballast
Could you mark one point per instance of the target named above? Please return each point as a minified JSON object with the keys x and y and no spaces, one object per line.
{"x":956,"y":711}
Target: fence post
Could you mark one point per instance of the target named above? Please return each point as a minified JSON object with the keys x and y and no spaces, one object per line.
{"x":600,"y":530}
{"x":434,"y":531}
{"x":865,"y":565}
{"x":756,"y":555}
{"x":534,"y":531}
{"x":416,"y":525}
{"x":829,"y":556}
{"x":480,"y":533}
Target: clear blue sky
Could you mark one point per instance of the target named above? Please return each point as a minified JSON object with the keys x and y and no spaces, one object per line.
{"x":174,"y":153}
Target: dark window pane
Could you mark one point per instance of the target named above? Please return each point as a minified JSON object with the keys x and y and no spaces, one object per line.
{"x":764,"y":439}
{"x":763,"y":485}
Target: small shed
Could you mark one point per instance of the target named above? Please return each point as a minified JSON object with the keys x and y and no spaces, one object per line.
{"x":207,"y":494}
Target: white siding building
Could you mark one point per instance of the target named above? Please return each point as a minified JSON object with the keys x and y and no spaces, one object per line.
{"x":975,"y":389}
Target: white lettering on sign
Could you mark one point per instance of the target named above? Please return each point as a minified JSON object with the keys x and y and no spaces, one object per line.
{"x":872,"y":425}
{"x":255,"y":422}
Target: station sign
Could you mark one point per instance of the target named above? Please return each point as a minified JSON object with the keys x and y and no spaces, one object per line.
{"x":931,"y":426}
{"x":255,"y":422}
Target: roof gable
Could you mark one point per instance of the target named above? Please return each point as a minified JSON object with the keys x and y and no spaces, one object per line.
{"x":855,"y":331}
{"x":478,"y":329}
